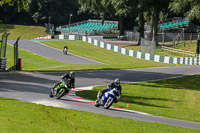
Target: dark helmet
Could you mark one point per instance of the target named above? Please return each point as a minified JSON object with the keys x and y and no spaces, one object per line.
{"x":117,"y":82}
{"x":72,"y":74}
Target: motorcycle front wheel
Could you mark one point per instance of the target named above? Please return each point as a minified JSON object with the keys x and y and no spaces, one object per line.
{"x":60,"y":93}
{"x":108,"y":103}
{"x":51,"y":93}
{"x":96,"y":104}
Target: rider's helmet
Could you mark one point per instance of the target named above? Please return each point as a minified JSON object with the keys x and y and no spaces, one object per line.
{"x":117,"y":82}
{"x":72,"y":74}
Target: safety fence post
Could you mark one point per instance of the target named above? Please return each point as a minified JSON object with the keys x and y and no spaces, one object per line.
{"x":16,"y":54}
{"x":3,"y":59}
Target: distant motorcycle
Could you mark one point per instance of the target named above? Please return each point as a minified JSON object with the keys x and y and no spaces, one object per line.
{"x":65,"y":51}
{"x":63,"y":90}
{"x":109,"y":97}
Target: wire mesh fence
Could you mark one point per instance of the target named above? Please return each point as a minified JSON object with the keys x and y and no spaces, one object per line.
{"x":147,"y":46}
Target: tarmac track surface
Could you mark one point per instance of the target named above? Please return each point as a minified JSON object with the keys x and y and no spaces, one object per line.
{"x":35,"y":87}
{"x":51,"y":53}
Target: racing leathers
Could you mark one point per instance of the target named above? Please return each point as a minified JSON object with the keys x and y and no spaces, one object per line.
{"x":110,"y":87}
{"x":69,"y":82}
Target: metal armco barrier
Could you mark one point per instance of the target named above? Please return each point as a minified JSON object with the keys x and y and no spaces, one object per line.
{"x":3,"y":62}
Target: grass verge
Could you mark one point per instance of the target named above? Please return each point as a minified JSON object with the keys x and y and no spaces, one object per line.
{"x":21,"y":117}
{"x":172,"y":98}
{"x":189,"y":46}
{"x":32,"y":61}
{"x":112,"y":60}
{"x":26,"y":32}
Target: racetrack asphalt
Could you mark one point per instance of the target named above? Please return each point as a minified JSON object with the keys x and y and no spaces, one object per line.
{"x":51,"y":53}
{"x":35,"y":87}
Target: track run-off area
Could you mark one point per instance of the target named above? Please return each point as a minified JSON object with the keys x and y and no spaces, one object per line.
{"x":35,"y":86}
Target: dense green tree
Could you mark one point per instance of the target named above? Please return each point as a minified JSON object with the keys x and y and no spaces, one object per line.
{"x":8,"y":13}
{"x":126,"y":8}
{"x":11,"y":15}
{"x":190,"y":8}
{"x":156,"y":7}
{"x":20,"y":3}
{"x":56,"y":12}
{"x":100,"y":8}
{"x":140,"y":10}
{"x":107,"y":9}
{"x":123,"y":9}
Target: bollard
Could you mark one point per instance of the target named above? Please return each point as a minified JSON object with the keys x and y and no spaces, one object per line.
{"x":19,"y":64}
{"x":128,"y":105}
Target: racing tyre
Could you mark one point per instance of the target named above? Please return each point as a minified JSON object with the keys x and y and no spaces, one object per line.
{"x":96,"y":104}
{"x":108,"y":103}
{"x":60,"y":94}
{"x":51,"y":93}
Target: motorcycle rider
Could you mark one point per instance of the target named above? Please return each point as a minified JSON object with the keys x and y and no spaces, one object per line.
{"x":65,"y":49}
{"x":112,"y":85}
{"x":69,"y":80}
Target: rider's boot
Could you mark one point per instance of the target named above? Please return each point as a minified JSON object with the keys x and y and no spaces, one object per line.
{"x":100,"y":95}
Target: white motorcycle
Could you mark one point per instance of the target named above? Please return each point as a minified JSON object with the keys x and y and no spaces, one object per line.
{"x":108,"y":98}
{"x":65,"y":51}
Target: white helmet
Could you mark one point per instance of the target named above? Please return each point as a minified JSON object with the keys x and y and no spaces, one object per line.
{"x":72,"y":74}
{"x":117,"y":82}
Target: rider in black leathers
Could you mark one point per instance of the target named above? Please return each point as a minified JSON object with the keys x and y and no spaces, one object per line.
{"x":69,"y":80}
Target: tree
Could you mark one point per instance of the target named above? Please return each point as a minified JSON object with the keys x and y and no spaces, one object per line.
{"x":56,"y":12}
{"x":21,"y":3}
{"x":107,"y":9}
{"x":140,"y":9}
{"x":190,"y":8}
{"x":100,"y":8}
{"x":156,"y":6}
{"x":123,"y":9}
{"x":11,"y":15}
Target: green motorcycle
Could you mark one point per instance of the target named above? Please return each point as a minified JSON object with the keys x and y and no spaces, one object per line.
{"x":59,"y":90}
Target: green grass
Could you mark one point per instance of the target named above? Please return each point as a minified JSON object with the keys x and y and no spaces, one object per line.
{"x":189,"y":46}
{"x":172,"y":98}
{"x":26,"y":32}
{"x":32,"y":61}
{"x":23,"y":117}
{"x":112,"y":60}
